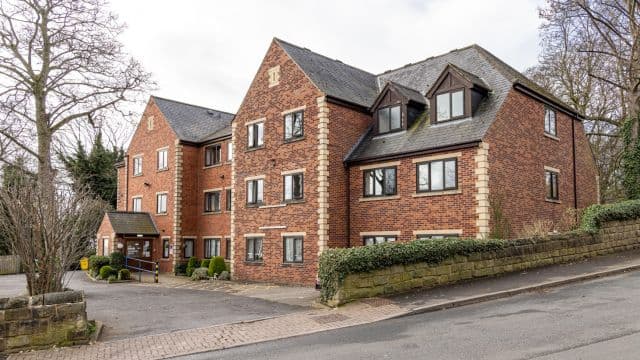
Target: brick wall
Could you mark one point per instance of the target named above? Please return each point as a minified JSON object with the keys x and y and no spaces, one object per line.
{"x":518,"y":153}
{"x":261,"y":101}
{"x":406,"y":213}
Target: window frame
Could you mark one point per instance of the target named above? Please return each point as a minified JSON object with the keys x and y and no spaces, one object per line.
{"x":105,"y":239}
{"x":137,"y":163}
{"x":217,"y":247}
{"x":254,"y":259}
{"x":164,"y":151}
{"x":386,"y":239}
{"x":284,"y":187}
{"x":293,"y":137}
{"x":227,"y":248}
{"x":255,"y":192}
{"x":389,"y":107}
{"x":547,"y":121}
{"x":216,"y":157}
{"x":284,"y":249}
{"x":133,"y":203}
{"x":384,"y":177}
{"x":444,"y":175}
{"x":552,"y":175}
{"x":252,"y":136}
{"x":228,"y":193}
{"x":437,"y":236}
{"x":450,"y":92}
{"x":229,"y":151}
{"x":164,"y":194}
{"x":184,"y":249}
{"x":166,"y":243}
{"x":213,"y":208}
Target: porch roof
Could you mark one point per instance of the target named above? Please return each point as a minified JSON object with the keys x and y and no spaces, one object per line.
{"x":132,"y":223}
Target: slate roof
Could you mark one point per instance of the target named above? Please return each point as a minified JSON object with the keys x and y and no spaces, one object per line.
{"x":194,"y":123}
{"x":409,"y":93}
{"x":126,"y":222}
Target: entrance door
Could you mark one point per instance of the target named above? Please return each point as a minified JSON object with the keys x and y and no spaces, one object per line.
{"x":139,"y":249}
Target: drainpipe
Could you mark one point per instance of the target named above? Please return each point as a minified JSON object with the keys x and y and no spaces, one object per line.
{"x":573,"y":145}
{"x":348,"y":187}
{"x":126,"y":183}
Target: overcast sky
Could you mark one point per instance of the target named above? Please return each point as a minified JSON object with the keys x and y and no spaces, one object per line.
{"x":207,"y":52}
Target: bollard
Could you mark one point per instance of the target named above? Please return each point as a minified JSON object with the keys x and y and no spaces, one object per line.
{"x":156,"y":275}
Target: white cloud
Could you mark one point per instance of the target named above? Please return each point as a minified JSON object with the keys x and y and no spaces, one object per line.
{"x":207,"y":52}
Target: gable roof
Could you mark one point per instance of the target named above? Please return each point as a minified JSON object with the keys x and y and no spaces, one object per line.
{"x":194,"y":123}
{"x":333,"y":77}
{"x":130,"y":223}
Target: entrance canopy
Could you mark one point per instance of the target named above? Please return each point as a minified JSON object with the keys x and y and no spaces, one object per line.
{"x":126,"y":223}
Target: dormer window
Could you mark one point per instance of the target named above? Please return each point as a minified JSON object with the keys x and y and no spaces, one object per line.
{"x":389,"y":119}
{"x":450,"y":105}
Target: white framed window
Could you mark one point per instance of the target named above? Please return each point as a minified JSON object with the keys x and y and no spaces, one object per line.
{"x":163,"y":159}
{"x":255,"y":191}
{"x":105,"y":246}
{"x":137,"y":165}
{"x":293,"y":187}
{"x":255,"y":134}
{"x":229,"y":151}
{"x":161,"y":203}
{"x":378,"y":239}
{"x":550,"y":122}
{"x":211,"y":247}
{"x":551,"y":185}
{"x":136,"y":204}
{"x":292,"y":249}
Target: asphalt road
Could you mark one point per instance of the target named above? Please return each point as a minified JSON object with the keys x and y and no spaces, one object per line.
{"x":598,"y":319}
{"x":128,"y":310}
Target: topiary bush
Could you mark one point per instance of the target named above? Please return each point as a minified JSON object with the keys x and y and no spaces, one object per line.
{"x":107,"y":271}
{"x":336,"y":264}
{"x":193,"y":263}
{"x":217,"y":265}
{"x":595,"y":215}
{"x":117,"y":260}
{"x":205,"y":263}
{"x":96,"y":263}
{"x":200,"y":273}
{"x":124,"y":274}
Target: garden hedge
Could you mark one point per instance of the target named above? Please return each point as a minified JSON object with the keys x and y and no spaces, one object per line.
{"x":96,"y":262}
{"x":595,"y":215}
{"x":336,"y":264}
{"x":217,"y":266}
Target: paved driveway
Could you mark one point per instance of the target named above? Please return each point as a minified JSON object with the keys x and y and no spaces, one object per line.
{"x":132,"y":310}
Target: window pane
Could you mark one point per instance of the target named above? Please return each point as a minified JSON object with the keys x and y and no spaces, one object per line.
{"x":288,"y":126}
{"x":188,"y":248}
{"x":229,"y":151}
{"x":250,"y":137}
{"x":297,"y":186}
{"x":298,"y":250}
{"x":216,"y":201}
{"x":288,"y":191}
{"x":369,"y":241}
{"x":442,"y":106}
{"x":423,"y":177}
{"x":450,"y":174}
{"x":436,"y":175}
{"x":383,"y":120}
{"x":396,"y":122}
{"x":217,"y":248}
{"x":258,"y":249}
{"x":288,"y":249}
{"x":228,"y":203}
{"x":250,"y":249}
{"x":259,"y":191}
{"x":378,"y":181}
{"x":297,"y":125}
{"x":260,"y":131}
{"x":250,"y":192}
{"x":368,"y":182}
{"x":390,"y":181}
{"x":457,"y":104}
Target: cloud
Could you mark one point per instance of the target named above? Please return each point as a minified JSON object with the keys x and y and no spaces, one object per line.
{"x":207,"y":52}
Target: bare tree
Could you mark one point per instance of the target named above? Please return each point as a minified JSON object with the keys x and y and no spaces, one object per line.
{"x":60,"y":64}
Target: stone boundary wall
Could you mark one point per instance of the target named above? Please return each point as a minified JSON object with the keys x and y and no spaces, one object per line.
{"x":9,"y":264}
{"x":518,"y":255}
{"x":33,"y":322}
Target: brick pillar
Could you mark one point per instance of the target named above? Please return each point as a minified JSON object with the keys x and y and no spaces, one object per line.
{"x":177,"y":206}
{"x":323,"y":174}
{"x":482,"y":190}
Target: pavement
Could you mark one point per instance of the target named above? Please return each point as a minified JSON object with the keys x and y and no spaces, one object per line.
{"x":308,"y":320}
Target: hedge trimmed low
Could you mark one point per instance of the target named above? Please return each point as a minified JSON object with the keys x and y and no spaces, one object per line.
{"x":595,"y":215}
{"x":336,"y":264}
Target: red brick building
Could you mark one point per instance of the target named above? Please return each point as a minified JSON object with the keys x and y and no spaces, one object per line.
{"x":329,"y":155}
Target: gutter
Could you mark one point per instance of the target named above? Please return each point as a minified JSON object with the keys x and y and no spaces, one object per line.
{"x":548,"y":101}
{"x":374,"y":159}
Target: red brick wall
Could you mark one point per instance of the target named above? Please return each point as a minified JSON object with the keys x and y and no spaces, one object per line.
{"x":105,"y":230}
{"x":121,"y":193}
{"x":346,"y":126}
{"x":261,"y":101}
{"x":518,"y":152}
{"x":407,"y":213}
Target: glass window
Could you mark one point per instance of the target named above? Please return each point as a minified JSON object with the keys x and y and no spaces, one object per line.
{"x":550,"y":122}
{"x":227,"y":248}
{"x":437,"y":175}
{"x":292,"y":249}
{"x":254,"y":249}
{"x":255,"y":135}
{"x":188,"y":248}
{"x":380,"y":182}
{"x":551,"y":184}
{"x":457,"y":104}
{"x":165,"y":248}
{"x":212,"y":155}
{"x":228,"y":201}
{"x":163,"y":161}
{"x":293,"y":187}
{"x":379,"y":239}
{"x":105,"y":246}
{"x":146,"y":248}
{"x":293,"y":125}
{"x":443,"y":107}
{"x":229,"y":151}
{"x":137,"y":204}
{"x":212,"y":201}
{"x":450,"y":105}
{"x":389,"y":119}
{"x":137,"y":166}
{"x":255,"y":191}
{"x":161,"y":203}
{"x":211,"y":248}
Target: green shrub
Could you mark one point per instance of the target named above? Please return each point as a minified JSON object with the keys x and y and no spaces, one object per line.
{"x":112,"y":278}
{"x":124,"y":274}
{"x":200,"y":273}
{"x":216,"y":266}
{"x":595,"y":215}
{"x":117,"y":260}
{"x":224,"y":275}
{"x":193,"y":263}
{"x":205,"y":263}
{"x":96,"y":263}
{"x":180,"y":269}
{"x":107,"y":271}
{"x":336,"y":264}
